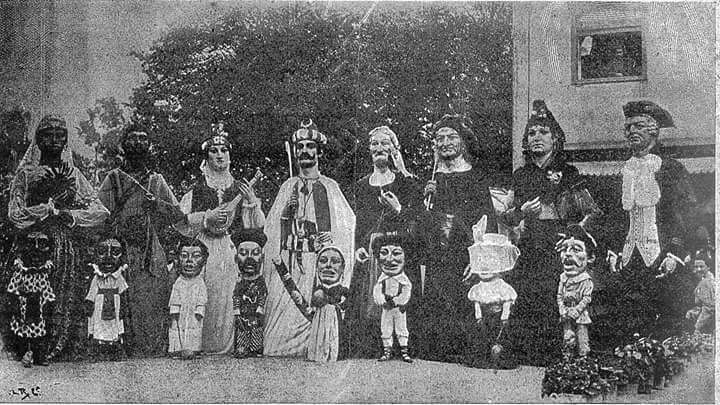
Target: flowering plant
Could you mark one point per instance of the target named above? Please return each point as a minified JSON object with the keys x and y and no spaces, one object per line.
{"x":580,"y":375}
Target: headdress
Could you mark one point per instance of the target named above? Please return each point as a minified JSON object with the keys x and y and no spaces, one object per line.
{"x":541,"y":115}
{"x":249,"y":235}
{"x":32,"y":154}
{"x":308,"y":131}
{"x":650,"y":109}
{"x":394,"y":139}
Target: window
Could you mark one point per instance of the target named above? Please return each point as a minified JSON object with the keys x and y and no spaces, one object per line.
{"x":608,"y":55}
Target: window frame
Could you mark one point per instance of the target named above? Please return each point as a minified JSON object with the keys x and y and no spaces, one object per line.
{"x":579,"y":32}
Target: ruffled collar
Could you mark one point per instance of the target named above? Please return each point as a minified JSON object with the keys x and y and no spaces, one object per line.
{"x":640,"y":188}
{"x":116,"y":274}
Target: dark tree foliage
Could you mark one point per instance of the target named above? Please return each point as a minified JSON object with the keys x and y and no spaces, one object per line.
{"x":260,"y":71}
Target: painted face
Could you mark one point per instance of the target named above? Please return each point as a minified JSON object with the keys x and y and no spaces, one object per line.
{"x":381,"y":146}
{"x":52,"y":140}
{"x":448,"y":143}
{"x":640,"y":132}
{"x":700,"y":268}
{"x":35,"y":249}
{"x":109,"y":254}
{"x":573,"y":255}
{"x":218,"y":157}
{"x":392,"y":259}
{"x":136,"y":144}
{"x":249,"y":259}
{"x":540,"y":140}
{"x":192,"y":261}
{"x":306,"y":152}
{"x":330,"y":266}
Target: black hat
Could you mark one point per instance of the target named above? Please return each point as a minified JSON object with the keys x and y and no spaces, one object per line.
{"x":541,"y":115}
{"x":462,"y":125}
{"x":650,"y":109}
{"x":578,"y":232}
{"x":249,"y":235}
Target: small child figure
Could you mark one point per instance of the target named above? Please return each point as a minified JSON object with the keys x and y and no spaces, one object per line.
{"x":187,"y":301}
{"x":704,"y":312}
{"x":327,"y":335}
{"x":31,"y":297}
{"x":491,"y":255}
{"x":106,"y":299}
{"x":392,"y":291}
{"x":577,"y":250}
{"x":250,"y":293}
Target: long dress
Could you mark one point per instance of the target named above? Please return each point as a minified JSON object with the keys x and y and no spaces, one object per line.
{"x":28,"y":206}
{"x":221,"y":271}
{"x":441,"y":315}
{"x":535,"y":331}
{"x":147,"y":274}
{"x":374,"y":219}
{"x":188,"y":299}
{"x":322,"y":208}
{"x":326,"y":341}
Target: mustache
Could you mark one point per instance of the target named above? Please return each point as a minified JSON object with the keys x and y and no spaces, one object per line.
{"x":569,"y":260}
{"x":305,"y":156}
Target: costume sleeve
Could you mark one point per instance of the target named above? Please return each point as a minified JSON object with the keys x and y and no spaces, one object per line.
{"x":201,"y":300}
{"x":478,"y":311}
{"x":559,"y":296}
{"x":193,"y":223}
{"x":512,"y":216}
{"x":586,"y":289}
{"x":404,"y":296}
{"x":168,"y":207}
{"x":378,"y":295}
{"x":108,"y":192}
{"x":237,"y":299}
{"x":262,"y":296}
{"x":95,"y":213}
{"x":123,"y":285}
{"x":92,"y":292}
{"x":21,"y":215}
{"x":175,"y":300}
{"x":505,"y":315}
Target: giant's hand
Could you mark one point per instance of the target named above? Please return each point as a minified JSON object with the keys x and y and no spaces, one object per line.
{"x":531,"y":207}
{"x":390,"y":200}
{"x":430,"y":187}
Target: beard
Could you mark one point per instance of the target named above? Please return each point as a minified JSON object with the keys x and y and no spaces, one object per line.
{"x":381,"y":161}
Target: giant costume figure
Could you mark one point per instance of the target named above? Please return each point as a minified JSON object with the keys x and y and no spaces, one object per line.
{"x":386,"y":201}
{"x":456,"y":199}
{"x":141,"y":204}
{"x":660,"y":216}
{"x":49,"y":191}
{"x":212,"y":207}
{"x":310,"y":212}
{"x":548,"y":195}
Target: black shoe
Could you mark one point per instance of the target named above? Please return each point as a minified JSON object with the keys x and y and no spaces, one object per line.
{"x":404,"y":354}
{"x":42,"y":362}
{"x":387,"y":354}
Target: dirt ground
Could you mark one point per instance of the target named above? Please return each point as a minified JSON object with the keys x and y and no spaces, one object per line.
{"x":225,"y":379}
